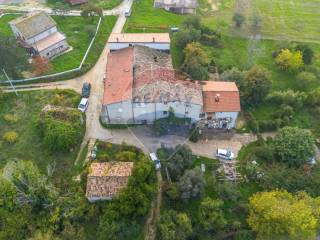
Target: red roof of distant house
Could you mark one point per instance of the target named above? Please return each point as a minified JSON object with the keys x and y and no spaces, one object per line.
{"x":118,"y":84}
{"x":77,"y":2}
{"x":220,"y":97}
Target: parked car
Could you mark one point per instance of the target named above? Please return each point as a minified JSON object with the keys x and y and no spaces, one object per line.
{"x":86,"y":88}
{"x":155,"y":160}
{"x":127,"y":13}
{"x":224,"y":154}
{"x":83,"y":105}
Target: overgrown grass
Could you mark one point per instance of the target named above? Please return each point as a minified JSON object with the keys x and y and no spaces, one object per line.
{"x":146,"y":18}
{"x":27,"y":107}
{"x":104,"y":4}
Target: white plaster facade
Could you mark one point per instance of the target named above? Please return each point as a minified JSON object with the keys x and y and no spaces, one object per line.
{"x":159,"y":46}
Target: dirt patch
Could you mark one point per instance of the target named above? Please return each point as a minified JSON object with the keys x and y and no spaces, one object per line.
{"x":214,"y":6}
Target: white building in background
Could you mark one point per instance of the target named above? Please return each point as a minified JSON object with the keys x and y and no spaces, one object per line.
{"x":177,"y":6}
{"x":141,"y":86}
{"x":159,"y":41}
{"x":38,"y":33}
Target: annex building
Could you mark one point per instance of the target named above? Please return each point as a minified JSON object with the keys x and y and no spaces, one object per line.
{"x":106,"y":179}
{"x":37,"y":32}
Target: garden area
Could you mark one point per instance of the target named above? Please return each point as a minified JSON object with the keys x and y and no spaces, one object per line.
{"x":42,"y":190}
{"x":79,"y":32}
{"x":277,"y":175}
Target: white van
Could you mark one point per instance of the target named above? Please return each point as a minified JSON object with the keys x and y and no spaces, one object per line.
{"x":156,"y":161}
{"x":127,"y":13}
{"x":224,"y":154}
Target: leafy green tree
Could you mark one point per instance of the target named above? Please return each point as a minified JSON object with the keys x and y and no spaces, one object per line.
{"x":238,"y":19}
{"x":195,"y":61}
{"x":191,"y":184}
{"x":307,"y":53}
{"x":187,"y":35}
{"x":173,"y":225}
{"x":13,"y":58}
{"x":192,"y":21}
{"x":234,"y":75}
{"x":255,"y":86}
{"x":210,"y":214}
{"x":92,"y":10}
{"x":294,"y":146}
{"x":282,"y":215}
{"x":289,"y":60}
{"x":181,"y":158}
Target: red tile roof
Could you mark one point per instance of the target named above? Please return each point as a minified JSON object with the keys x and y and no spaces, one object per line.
{"x":220,"y":97}
{"x":119,"y":79}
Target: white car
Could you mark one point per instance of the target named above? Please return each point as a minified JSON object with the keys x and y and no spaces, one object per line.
{"x":224,"y":154}
{"x":156,"y":161}
{"x":83,"y":105}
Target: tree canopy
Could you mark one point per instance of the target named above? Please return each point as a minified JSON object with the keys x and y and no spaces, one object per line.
{"x":294,"y":146}
{"x":13,"y":59}
{"x":282,"y":215}
{"x":289,"y":60}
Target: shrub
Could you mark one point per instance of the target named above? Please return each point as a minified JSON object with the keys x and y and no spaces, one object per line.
{"x":10,"y":118}
{"x":288,"y":97}
{"x":10,"y":137}
{"x":307,"y":53}
{"x":306,"y":77}
{"x":289,"y":60}
{"x":313,"y":98}
{"x":238,"y":18}
{"x":194,"y":135}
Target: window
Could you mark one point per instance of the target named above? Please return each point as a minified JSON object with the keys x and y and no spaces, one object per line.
{"x":202,"y":115}
{"x":165,"y":112}
{"x":165,"y":103}
{"x":187,"y":112}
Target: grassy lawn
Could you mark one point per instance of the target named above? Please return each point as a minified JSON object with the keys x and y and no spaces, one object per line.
{"x":27,"y":107}
{"x":146,"y":18}
{"x":104,"y":4}
{"x":77,"y":31}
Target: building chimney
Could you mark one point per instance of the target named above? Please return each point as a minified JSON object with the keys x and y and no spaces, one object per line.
{"x":153,"y":39}
{"x":217,"y":98}
{"x":117,"y":39}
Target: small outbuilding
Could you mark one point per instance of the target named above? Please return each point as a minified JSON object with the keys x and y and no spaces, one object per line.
{"x":177,"y":6}
{"x":106,"y":179}
{"x":158,"y":41}
{"x":37,"y":32}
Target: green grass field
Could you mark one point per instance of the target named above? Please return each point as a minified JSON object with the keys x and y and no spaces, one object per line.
{"x":104,"y":4}
{"x":281,"y":20}
{"x":146,"y":18}
{"x":27,"y":107}
{"x":77,"y":31}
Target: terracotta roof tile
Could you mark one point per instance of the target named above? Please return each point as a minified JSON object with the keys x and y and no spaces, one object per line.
{"x":119,"y":76}
{"x":220,"y":97}
{"x":106,"y":179}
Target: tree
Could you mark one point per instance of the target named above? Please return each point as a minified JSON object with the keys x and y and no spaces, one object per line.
{"x":255,"y":86}
{"x":173,"y":225}
{"x":13,"y":58}
{"x":210,"y":214}
{"x":238,"y":19}
{"x":307,"y":53}
{"x":41,"y":65}
{"x":191,"y":184}
{"x":282,"y":215}
{"x":195,"y":61}
{"x":92,"y":10}
{"x":234,"y":75}
{"x":294,"y":146}
{"x":187,"y":35}
{"x":180,"y":160}
{"x":289,"y":60}
{"x":192,"y":21}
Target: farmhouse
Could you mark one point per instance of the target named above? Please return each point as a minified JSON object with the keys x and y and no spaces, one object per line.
{"x":159,"y":41}
{"x":141,"y":86}
{"x":38,"y":33}
{"x":106,"y":179}
{"x":177,"y":6}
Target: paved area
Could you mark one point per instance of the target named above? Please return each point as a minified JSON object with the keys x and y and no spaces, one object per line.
{"x":33,"y":5}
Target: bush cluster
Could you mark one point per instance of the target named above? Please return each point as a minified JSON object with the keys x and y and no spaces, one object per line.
{"x":10,"y":137}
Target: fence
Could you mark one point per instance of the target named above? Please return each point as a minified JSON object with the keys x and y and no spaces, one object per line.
{"x":65,"y":72}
